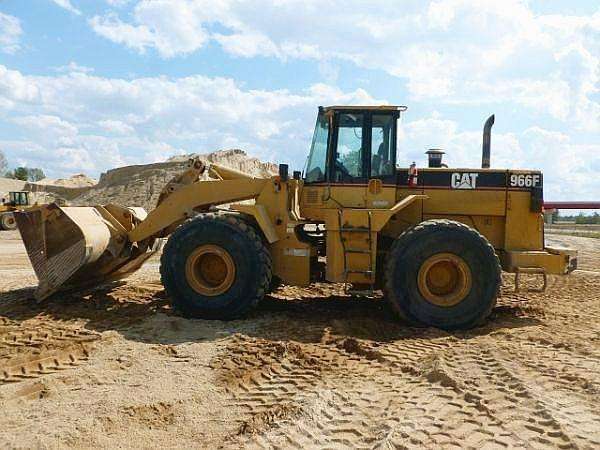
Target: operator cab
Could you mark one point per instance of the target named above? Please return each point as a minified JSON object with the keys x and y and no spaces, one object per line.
{"x":18,"y":198}
{"x":353,"y":144}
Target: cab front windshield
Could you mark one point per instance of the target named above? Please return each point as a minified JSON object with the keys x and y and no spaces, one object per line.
{"x":317,"y":158}
{"x":18,"y":198}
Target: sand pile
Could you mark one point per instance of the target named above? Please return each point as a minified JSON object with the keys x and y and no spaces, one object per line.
{"x":131,"y":185}
{"x":141,"y":185}
{"x":48,"y":190}
{"x":76,"y":181}
{"x":7,"y":185}
{"x":236,"y":159}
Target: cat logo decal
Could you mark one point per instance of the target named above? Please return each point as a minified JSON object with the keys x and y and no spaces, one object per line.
{"x":464,"y":180}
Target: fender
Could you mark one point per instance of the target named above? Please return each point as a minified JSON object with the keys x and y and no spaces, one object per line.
{"x":382,"y":216}
{"x":259,"y":212}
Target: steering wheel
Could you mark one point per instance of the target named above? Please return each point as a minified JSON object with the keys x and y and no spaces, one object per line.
{"x":341,"y":168}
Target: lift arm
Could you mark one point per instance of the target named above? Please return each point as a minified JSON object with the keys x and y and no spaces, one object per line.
{"x":201,"y":194}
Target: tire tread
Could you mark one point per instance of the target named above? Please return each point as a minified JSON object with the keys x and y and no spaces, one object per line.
{"x":412,"y":235}
{"x":241,"y":224}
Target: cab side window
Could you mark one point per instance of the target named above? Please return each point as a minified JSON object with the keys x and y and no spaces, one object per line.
{"x":383,"y":151}
{"x":349,"y":149}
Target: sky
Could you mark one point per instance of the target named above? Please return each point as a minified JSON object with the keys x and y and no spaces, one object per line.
{"x":86,"y":85}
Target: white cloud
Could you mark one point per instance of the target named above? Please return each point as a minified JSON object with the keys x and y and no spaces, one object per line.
{"x":16,"y":88}
{"x":78,"y":122}
{"x":452,"y":51}
{"x":247,"y":44}
{"x":118,"y":3}
{"x":49,"y":127}
{"x":66,"y":4}
{"x":580,"y":70}
{"x":116,"y":126}
{"x":104,"y":122}
{"x":73,"y":67}
{"x":172,"y":27}
{"x":135,"y":37}
{"x":10,"y":33}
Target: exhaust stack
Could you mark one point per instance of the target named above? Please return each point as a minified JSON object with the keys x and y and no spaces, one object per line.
{"x":434,"y":157}
{"x":487,"y":140}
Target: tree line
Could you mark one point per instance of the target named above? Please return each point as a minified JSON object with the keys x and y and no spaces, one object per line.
{"x":20,"y":173}
{"x":580,"y":219}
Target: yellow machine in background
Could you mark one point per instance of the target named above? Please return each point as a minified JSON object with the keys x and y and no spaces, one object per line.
{"x":434,"y":240}
{"x":16,"y":201}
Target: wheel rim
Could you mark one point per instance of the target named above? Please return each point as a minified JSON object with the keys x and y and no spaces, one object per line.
{"x":210,"y":270}
{"x":444,"y":279}
{"x":9,"y":222}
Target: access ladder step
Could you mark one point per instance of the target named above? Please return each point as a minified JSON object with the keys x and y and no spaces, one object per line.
{"x":355,"y":230}
{"x":364,"y":272}
{"x":358,"y":250}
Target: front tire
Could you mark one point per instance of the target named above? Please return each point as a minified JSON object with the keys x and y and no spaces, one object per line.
{"x":444,"y":274}
{"x":7,"y":221}
{"x":216,"y":266}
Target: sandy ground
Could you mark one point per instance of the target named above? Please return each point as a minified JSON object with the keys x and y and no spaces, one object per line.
{"x":113,"y":367}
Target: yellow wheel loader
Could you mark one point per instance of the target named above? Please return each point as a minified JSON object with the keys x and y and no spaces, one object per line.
{"x":16,"y":201}
{"x":433,"y":239}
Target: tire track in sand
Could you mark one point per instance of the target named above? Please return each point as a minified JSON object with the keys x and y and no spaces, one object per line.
{"x":35,"y":348}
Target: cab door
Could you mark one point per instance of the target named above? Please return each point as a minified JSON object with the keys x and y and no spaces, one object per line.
{"x":363,"y":159}
{"x":349,"y":172}
{"x":381,"y":189}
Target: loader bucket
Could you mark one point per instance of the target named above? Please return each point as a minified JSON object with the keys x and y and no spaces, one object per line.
{"x":72,"y":247}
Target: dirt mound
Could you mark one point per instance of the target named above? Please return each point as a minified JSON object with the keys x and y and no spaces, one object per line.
{"x":48,"y":190}
{"x":8,"y":184}
{"x":138,"y":185}
{"x":141,"y":185}
{"x":236,"y":159}
{"x":76,"y":181}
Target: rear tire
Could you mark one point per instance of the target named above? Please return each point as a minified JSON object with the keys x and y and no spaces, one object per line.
{"x":228,"y":284}
{"x":444,"y":274}
{"x":7,"y":221}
